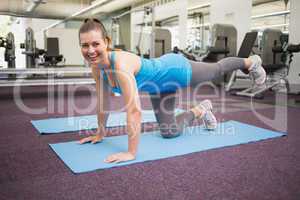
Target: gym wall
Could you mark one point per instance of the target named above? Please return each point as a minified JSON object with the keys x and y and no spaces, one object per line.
{"x":68,"y":44}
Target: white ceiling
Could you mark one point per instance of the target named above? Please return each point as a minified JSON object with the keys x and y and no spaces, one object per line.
{"x":60,"y":9}
{"x":51,"y":9}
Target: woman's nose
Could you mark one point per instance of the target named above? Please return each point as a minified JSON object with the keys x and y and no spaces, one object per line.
{"x":91,"y":49}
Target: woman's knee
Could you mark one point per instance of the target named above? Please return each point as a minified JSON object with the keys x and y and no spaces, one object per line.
{"x":169,"y":132}
{"x":169,"y":135}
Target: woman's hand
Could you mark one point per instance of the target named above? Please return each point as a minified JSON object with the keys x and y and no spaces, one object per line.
{"x":119,"y":157}
{"x":93,"y":139}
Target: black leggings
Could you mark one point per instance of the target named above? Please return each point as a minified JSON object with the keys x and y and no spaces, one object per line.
{"x":164,"y":104}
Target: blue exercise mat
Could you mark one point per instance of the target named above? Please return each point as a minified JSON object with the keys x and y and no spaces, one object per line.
{"x":89,"y":157}
{"x":87,"y":122}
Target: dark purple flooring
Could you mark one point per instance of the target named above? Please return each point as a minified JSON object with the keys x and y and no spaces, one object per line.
{"x":30,"y":170}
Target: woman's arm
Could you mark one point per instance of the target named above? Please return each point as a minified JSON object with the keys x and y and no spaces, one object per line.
{"x":129,"y":89}
{"x":102,"y":93}
{"x":103,"y":103}
{"x":132,"y":103}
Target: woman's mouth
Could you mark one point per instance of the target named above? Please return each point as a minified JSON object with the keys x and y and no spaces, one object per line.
{"x":93,"y":58}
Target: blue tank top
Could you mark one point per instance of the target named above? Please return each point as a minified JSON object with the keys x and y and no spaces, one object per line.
{"x":158,"y":75}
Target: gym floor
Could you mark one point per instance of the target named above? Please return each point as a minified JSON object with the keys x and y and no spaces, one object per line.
{"x":268,"y":169}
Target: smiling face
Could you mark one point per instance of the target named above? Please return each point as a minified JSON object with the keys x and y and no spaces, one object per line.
{"x":94,"y":48}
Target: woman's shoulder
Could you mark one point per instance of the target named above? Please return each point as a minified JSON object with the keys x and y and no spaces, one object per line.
{"x":124,"y":54}
{"x":127,"y":60}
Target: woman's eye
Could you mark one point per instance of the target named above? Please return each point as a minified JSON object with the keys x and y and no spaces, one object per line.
{"x":96,"y":44}
{"x":85,"y":46}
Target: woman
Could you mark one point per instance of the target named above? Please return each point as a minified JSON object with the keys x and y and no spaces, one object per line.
{"x":128,"y":74}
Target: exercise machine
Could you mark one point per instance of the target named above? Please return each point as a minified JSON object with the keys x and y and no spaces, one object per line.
{"x":36,"y":56}
{"x":277,"y":55}
{"x":31,"y":52}
{"x":51,"y":55}
{"x":244,"y":52}
{"x":148,"y":18}
{"x":223,"y":44}
{"x":163,"y":41}
{"x":196,"y":38}
{"x":9,"y":44}
{"x":36,"y":74}
{"x":47,"y":76}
